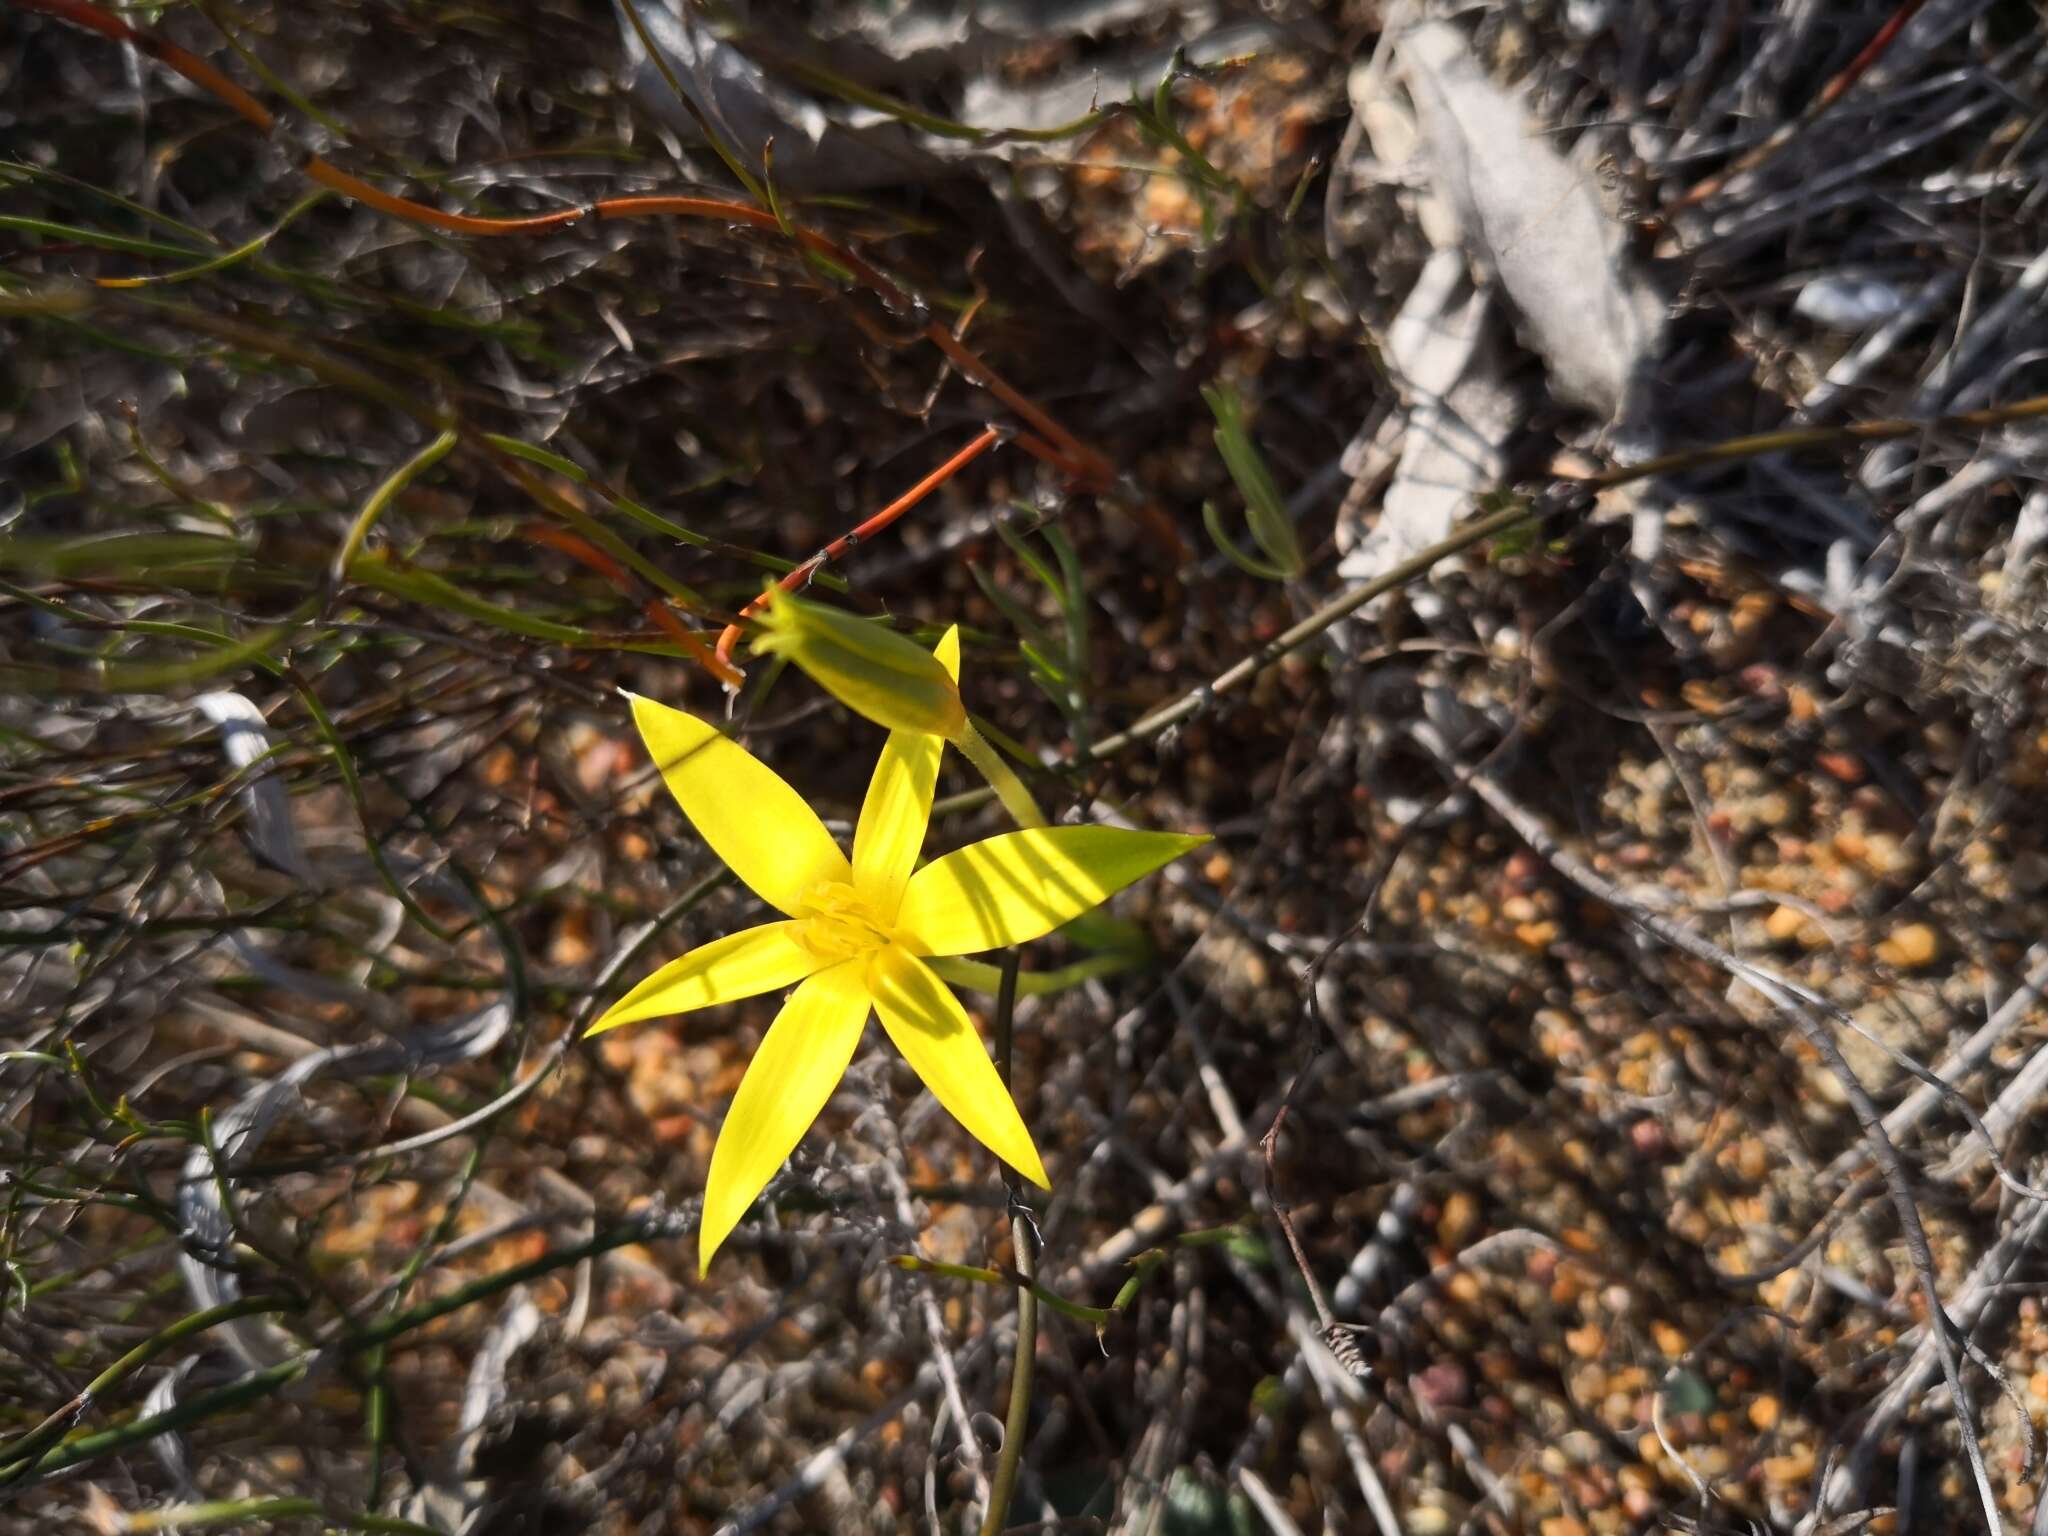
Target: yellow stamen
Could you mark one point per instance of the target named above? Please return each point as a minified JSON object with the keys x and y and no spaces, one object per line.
{"x":834,"y":924}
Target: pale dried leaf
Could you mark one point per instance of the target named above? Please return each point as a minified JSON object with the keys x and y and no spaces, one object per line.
{"x":209,"y":1230}
{"x":1534,"y":220}
{"x":843,"y":149}
{"x":245,"y":738}
{"x":1447,"y":351}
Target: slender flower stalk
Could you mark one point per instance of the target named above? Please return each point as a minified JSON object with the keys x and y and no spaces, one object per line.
{"x":1017,"y":1414}
{"x":855,"y":937}
{"x":891,"y":680}
{"x":1002,"y":778}
{"x":868,"y":667}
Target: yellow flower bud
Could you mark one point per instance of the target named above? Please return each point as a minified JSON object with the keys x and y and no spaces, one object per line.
{"x":868,"y":667}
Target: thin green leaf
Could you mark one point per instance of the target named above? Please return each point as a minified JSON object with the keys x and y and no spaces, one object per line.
{"x":1251,"y":564}
{"x":1265,"y":508}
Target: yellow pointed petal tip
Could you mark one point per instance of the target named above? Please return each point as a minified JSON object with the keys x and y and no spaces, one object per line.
{"x":1034,"y":1170}
{"x":743,"y":964}
{"x":926,"y":1023}
{"x":801,"y":1060}
{"x":870,"y":668}
{"x":759,"y":827}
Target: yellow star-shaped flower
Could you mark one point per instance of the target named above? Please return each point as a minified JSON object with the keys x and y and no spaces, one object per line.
{"x":855,"y":936}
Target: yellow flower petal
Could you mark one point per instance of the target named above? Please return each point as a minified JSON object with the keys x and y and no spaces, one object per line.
{"x":867,"y":666}
{"x":899,"y":806}
{"x":800,"y":1062}
{"x":742,"y":964}
{"x":1007,"y":889}
{"x":753,"y":821}
{"x":937,"y":1038}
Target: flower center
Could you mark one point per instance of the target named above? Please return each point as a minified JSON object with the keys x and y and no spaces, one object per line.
{"x":834,"y":924}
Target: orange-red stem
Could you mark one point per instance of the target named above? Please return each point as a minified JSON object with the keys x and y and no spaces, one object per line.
{"x":1072,"y":455}
{"x":989,"y":437}
{"x":1830,"y":93}
{"x":574,"y":544}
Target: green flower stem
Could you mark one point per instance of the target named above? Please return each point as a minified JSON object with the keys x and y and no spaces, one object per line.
{"x":983,"y":977}
{"x":394,"y":1324}
{"x":20,"y":1458}
{"x":185,"y":1517}
{"x":246,"y":1389}
{"x":190,"y":1410}
{"x":1141,"y":1266}
{"x":1097,"y":1317}
{"x":1009,"y":789}
{"x":1017,"y":1422}
{"x":222,"y":1512}
{"x":384,"y":495}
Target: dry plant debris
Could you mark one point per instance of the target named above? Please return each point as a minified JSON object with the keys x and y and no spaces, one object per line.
{"x":1633,"y":921}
